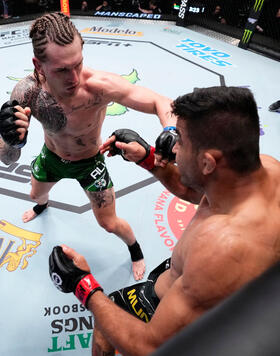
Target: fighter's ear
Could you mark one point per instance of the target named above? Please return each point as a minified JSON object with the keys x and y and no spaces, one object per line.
{"x":209,"y":161}
{"x":38,"y":66}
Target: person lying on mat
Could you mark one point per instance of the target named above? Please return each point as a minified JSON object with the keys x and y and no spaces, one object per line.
{"x":233,"y":237}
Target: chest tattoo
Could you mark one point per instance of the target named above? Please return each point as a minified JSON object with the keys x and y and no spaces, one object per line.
{"x":96,"y":100}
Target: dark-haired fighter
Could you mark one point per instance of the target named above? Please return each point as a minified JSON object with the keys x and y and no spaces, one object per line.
{"x":70,"y":101}
{"x":233,"y":237}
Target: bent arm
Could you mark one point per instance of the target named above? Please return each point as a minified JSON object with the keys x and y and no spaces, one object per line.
{"x":9,"y":152}
{"x":170,"y":177}
{"x":22,"y":93}
{"x":132,"y":336}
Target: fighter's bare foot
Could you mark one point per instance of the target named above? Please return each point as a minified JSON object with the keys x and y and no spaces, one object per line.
{"x":28,"y":215}
{"x":35,"y":211}
{"x":138,"y":268}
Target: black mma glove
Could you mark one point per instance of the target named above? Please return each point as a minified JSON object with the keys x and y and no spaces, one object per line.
{"x":69,"y":278}
{"x":165,"y":142}
{"x":8,"y":128}
{"x":127,"y":136}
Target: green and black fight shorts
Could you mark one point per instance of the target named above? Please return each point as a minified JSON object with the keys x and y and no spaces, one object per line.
{"x":91,"y":173}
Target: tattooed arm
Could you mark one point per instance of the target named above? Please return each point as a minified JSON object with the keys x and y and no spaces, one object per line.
{"x":26,"y":92}
{"x":42,"y":104}
{"x":8,"y":154}
{"x":13,"y":131}
{"x":14,"y":124}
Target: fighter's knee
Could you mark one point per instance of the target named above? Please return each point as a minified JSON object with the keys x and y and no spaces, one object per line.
{"x":34,"y":196}
{"x":108,"y":225}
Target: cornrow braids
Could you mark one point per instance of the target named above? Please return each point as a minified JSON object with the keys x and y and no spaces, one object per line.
{"x":52,"y":27}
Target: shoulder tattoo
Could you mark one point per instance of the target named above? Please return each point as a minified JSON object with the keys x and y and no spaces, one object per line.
{"x":49,"y":112}
{"x":43,"y":106}
{"x":26,"y":92}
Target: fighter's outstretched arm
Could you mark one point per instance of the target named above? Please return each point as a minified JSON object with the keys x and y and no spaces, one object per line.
{"x":133,"y":148}
{"x":136,"y":97}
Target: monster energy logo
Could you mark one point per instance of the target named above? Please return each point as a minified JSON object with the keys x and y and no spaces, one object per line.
{"x":258,"y":5}
{"x":246,"y":36}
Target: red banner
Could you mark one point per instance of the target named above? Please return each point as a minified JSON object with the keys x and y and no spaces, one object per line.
{"x":64,"y":5}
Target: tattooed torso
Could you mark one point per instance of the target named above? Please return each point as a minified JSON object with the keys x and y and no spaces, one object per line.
{"x":72,"y":130}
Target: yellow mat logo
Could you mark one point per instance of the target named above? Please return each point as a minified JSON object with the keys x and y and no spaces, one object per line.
{"x":115,"y":31}
{"x":24,"y":246}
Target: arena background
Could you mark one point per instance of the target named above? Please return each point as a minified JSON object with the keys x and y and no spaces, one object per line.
{"x":153,"y":52}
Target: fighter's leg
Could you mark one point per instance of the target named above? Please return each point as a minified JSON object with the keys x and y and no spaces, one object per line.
{"x":103,"y":206}
{"x":140,"y":293}
{"x":40,"y":194}
{"x":100,"y":345}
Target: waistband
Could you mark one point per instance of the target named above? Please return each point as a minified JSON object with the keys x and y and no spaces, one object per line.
{"x":86,"y":160}
{"x":165,"y":265}
{"x":148,"y":292}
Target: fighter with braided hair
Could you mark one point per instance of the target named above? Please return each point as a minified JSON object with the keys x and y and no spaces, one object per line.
{"x":70,"y":101}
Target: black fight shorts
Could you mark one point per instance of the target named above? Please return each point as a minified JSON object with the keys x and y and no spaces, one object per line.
{"x":140,"y":299}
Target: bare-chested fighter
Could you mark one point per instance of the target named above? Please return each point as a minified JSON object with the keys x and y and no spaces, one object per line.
{"x":233,"y":237}
{"x":70,"y":101}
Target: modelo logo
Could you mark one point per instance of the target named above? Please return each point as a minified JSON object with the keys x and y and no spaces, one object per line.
{"x":205,"y":52}
{"x":182,"y":9}
{"x":111,"y":31}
